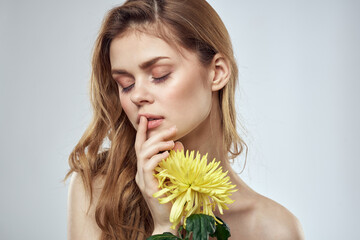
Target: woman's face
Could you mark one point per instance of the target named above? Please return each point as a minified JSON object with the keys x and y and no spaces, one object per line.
{"x":155,"y":80}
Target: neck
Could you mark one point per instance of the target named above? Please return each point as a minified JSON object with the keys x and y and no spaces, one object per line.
{"x":207,"y":137}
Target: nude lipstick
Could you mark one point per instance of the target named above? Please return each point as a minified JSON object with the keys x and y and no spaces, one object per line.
{"x":154,"y":123}
{"x":153,"y":120}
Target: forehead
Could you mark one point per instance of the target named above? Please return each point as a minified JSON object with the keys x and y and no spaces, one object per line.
{"x":136,"y":47}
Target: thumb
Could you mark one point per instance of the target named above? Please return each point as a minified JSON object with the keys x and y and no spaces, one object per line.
{"x":178,"y":146}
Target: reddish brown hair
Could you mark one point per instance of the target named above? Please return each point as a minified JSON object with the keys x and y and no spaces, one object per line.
{"x":121,"y":211}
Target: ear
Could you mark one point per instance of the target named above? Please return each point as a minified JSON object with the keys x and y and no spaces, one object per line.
{"x":221,"y":72}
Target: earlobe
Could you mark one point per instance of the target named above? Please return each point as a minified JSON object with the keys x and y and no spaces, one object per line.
{"x":221,"y":68}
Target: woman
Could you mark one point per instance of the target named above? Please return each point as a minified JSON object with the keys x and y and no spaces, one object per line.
{"x":163,"y":77}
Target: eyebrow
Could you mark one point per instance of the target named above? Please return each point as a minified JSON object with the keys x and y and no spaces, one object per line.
{"x":143,"y":65}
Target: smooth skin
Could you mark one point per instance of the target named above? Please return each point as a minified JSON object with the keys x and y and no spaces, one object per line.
{"x":188,"y":102}
{"x":149,"y":156}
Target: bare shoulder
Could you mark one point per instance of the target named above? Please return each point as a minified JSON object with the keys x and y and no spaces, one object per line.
{"x":81,"y":214}
{"x":276,"y":222}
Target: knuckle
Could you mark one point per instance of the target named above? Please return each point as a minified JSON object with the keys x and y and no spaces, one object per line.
{"x":139,"y":156}
{"x":137,"y":147}
{"x":159,"y":148}
{"x":148,"y":195}
{"x":139,"y":184}
{"x":137,"y":180}
{"x":148,"y":168}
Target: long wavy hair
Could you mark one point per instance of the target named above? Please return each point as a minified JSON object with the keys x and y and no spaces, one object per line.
{"x":121,"y":212}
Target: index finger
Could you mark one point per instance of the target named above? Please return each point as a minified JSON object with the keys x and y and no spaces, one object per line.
{"x":141,"y":133}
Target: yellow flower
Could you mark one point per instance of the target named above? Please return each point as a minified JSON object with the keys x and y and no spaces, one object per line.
{"x":192,"y":185}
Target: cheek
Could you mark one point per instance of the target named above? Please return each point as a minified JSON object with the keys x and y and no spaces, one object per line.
{"x":126,"y":107}
{"x":189,"y":95}
{"x":182,"y":93}
{"x":123,"y":103}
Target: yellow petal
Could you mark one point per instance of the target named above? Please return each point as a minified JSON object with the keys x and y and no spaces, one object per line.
{"x":193,"y":185}
{"x":177,"y":208}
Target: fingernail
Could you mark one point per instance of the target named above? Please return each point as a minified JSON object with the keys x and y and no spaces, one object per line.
{"x":142,"y":119}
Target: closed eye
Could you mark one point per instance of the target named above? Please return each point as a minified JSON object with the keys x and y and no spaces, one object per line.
{"x":161,"y":79}
{"x":126,"y":89}
{"x":157,"y":80}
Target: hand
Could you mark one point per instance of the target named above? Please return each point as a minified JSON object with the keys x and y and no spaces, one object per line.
{"x":149,"y":153}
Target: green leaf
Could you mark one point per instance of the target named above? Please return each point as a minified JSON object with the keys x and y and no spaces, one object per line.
{"x":201,"y":226}
{"x":222,"y":231}
{"x":164,"y":236}
{"x":182,"y":231}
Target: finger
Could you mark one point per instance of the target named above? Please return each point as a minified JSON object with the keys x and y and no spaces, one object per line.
{"x":141,"y":133}
{"x":157,"y":148}
{"x":178,"y":146}
{"x":149,"y":169}
{"x":146,"y":173}
{"x":154,"y":161}
{"x":162,"y":136}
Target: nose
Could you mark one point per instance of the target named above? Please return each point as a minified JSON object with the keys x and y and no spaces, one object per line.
{"x":141,"y":94}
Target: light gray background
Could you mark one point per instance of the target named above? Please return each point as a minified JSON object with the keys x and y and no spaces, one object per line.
{"x":299,"y":100}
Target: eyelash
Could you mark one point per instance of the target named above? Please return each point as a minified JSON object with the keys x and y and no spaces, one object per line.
{"x":161,"y":79}
{"x":156,"y":80}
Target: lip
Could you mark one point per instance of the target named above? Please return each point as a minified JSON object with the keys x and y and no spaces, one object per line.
{"x":149,"y":116}
{"x":154,"y":123}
